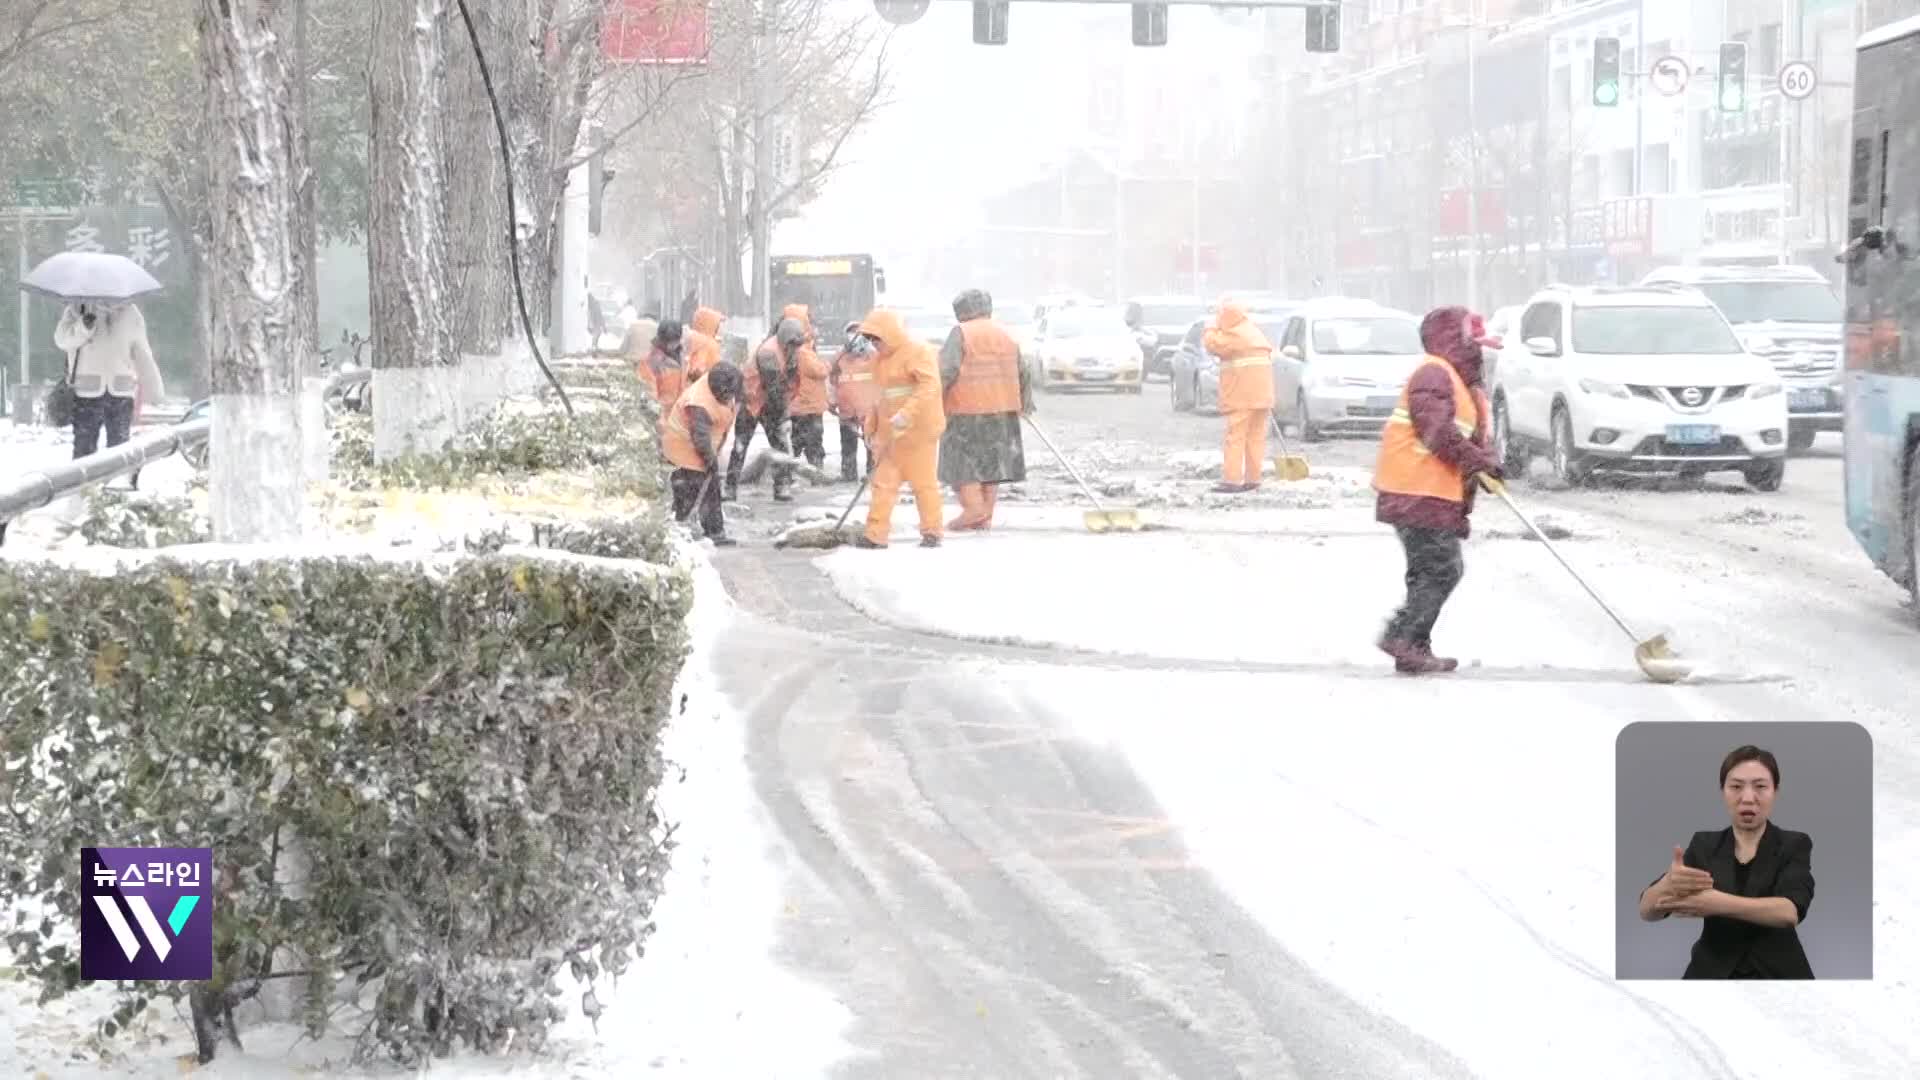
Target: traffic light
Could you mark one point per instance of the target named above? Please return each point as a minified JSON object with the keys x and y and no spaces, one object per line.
{"x":1323,"y":29}
{"x":1606,"y":72}
{"x":1733,"y":76}
{"x":1149,"y":24}
{"x":990,"y":22}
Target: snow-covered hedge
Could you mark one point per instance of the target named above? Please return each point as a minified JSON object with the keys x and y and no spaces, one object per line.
{"x":462,"y":750}
{"x":119,"y":518}
{"x":614,"y":435}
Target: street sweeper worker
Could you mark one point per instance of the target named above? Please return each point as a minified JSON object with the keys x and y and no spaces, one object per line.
{"x":851,"y":395}
{"x":703,"y":341}
{"x":985,"y":392}
{"x":1246,"y":395}
{"x":807,"y":406}
{"x":1432,"y":452}
{"x":904,"y":428}
{"x":664,"y":367}
{"x":691,"y":434}
{"x":769,"y":379}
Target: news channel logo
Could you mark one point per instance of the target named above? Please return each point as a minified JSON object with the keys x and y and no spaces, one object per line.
{"x":146,"y":913}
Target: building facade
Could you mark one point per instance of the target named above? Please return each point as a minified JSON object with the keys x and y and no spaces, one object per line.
{"x":1452,"y":150}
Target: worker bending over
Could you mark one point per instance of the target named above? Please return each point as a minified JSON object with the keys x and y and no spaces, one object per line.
{"x":692,"y":432}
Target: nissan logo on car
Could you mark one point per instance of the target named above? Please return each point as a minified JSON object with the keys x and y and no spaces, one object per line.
{"x":1692,"y":396}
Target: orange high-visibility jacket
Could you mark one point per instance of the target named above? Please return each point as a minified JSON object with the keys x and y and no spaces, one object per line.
{"x":907,"y":375}
{"x":676,"y":431}
{"x":1405,"y":465}
{"x":1246,"y":360}
{"x":989,"y":381}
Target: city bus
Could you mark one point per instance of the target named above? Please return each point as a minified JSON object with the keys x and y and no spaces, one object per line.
{"x":1882,"y":260}
{"x":837,"y":289}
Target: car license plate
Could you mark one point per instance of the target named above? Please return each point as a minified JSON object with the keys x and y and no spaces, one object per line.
{"x":1807,"y":399}
{"x":1383,"y":402}
{"x":1693,"y":434}
{"x":1096,"y":376}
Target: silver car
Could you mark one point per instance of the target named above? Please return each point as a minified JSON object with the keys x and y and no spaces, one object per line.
{"x":1343,"y":364}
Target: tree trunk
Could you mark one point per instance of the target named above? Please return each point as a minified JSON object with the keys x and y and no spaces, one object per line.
{"x":255,"y":286}
{"x":481,"y":298}
{"x":416,"y":399}
{"x":306,"y":251}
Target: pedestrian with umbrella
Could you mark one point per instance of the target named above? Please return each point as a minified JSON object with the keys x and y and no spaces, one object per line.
{"x":110,"y":364}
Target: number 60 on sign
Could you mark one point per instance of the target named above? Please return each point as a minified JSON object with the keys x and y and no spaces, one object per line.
{"x":1797,"y":80}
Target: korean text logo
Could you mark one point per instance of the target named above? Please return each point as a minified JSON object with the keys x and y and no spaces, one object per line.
{"x":146,"y":913}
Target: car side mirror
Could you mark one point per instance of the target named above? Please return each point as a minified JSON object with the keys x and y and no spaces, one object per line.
{"x":1291,"y":352}
{"x":1542,"y":346}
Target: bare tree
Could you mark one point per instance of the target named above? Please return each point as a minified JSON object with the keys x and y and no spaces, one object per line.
{"x":26,"y":26}
{"x":255,"y":283}
{"x":408,"y":231}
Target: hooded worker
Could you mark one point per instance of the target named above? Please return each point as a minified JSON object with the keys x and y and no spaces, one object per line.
{"x":851,"y":396}
{"x":770,"y":379}
{"x":903,"y":428}
{"x":807,"y":406}
{"x":1246,"y":395}
{"x":1432,"y":452}
{"x":703,"y":341}
{"x":664,"y":367}
{"x":985,"y":392}
{"x":692,"y":431}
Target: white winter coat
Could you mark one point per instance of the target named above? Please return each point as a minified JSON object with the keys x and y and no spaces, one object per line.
{"x":113,"y":357}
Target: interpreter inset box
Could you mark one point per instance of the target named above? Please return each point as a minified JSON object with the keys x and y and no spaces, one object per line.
{"x":1743,"y":851}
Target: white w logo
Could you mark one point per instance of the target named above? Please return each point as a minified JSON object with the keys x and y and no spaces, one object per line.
{"x":123,"y":933}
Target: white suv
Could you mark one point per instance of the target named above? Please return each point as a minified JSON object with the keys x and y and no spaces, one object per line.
{"x":1647,"y":379}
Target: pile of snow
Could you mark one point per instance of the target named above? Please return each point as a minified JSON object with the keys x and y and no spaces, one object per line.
{"x":706,"y":998}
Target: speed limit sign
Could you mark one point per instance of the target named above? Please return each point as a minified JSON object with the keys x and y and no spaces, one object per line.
{"x":1797,"y":80}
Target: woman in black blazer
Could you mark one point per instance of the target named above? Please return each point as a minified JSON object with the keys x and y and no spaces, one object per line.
{"x":1750,"y":883}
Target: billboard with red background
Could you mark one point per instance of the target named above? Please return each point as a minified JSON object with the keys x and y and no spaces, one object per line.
{"x":655,"y":32}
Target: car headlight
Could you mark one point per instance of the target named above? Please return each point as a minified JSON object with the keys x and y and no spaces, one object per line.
{"x":1604,"y":389}
{"x":1763,"y":390}
{"x":1756,"y":342}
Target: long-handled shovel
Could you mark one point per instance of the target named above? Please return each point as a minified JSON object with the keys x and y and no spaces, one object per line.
{"x":1287,"y":465}
{"x":1099,"y":519}
{"x":1655,"y":655}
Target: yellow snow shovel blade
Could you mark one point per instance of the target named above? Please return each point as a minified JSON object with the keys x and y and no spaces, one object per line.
{"x":1287,"y":465}
{"x":1100,"y":519}
{"x":1655,"y":655}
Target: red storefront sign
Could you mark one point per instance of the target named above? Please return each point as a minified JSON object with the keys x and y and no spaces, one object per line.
{"x":1626,"y":225}
{"x":1209,"y":258}
{"x":1452,"y":218}
{"x":655,"y":32}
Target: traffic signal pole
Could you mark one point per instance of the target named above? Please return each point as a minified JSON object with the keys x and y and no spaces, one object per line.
{"x":1640,"y":99}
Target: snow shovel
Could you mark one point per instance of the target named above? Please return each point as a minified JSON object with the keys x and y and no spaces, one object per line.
{"x":1099,"y":519}
{"x":1287,"y":465}
{"x":1655,"y":655}
{"x":809,"y":534}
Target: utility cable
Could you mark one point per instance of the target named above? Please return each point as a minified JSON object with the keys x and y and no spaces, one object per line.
{"x":513,"y":214}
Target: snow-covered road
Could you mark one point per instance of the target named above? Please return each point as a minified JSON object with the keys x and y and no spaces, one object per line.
{"x":1043,"y":765}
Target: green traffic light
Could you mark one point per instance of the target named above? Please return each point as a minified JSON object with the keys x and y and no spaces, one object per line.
{"x":1731,"y":99}
{"x":1606,"y":94}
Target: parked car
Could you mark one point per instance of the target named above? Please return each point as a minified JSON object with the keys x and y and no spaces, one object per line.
{"x":1160,"y":322}
{"x":1088,"y":346}
{"x":1504,"y":325}
{"x":1788,"y":316}
{"x":1637,"y":379}
{"x":930,"y":325}
{"x":1343,"y":364}
{"x":1061,"y":300}
{"x":1194,"y":373}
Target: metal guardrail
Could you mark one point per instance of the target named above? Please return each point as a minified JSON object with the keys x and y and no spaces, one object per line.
{"x":39,"y":488}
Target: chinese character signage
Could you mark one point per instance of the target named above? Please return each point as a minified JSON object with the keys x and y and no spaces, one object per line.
{"x":146,"y":913}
